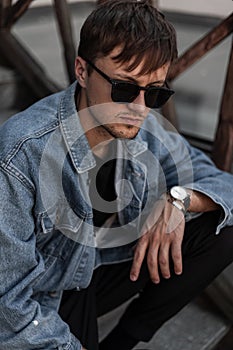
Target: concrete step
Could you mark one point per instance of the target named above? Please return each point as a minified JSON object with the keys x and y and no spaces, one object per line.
{"x":221,"y":292}
{"x":199,"y":326}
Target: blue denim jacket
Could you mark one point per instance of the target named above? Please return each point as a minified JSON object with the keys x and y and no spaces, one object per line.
{"x":48,"y":242}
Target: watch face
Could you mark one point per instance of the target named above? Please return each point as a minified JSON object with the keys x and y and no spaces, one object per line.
{"x":178,"y":192}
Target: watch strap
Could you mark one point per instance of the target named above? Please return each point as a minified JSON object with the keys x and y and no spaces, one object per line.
{"x":186,"y":202}
{"x":178,"y":206}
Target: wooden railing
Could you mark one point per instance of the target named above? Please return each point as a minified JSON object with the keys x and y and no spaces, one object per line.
{"x":223,"y":144}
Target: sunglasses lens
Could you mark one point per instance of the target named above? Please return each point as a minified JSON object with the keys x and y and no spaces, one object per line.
{"x":124,"y":92}
{"x":156,"y":97}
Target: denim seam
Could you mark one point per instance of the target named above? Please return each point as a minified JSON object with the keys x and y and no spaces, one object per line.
{"x":11,"y":169}
{"x":37,"y":134}
{"x":8,"y":169}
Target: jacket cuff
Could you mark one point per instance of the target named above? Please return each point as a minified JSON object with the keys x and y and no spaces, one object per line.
{"x":74,"y":344}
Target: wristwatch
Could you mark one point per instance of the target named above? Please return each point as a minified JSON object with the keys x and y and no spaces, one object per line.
{"x":180,"y":198}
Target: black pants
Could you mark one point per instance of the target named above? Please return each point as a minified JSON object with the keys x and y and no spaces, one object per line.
{"x":205,"y":255}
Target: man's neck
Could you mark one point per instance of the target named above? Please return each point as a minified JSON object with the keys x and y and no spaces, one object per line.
{"x":98,"y":138}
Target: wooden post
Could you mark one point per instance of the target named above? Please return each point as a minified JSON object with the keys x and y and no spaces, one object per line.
{"x":223,"y":145}
{"x":5,"y":6}
{"x":65,"y":28}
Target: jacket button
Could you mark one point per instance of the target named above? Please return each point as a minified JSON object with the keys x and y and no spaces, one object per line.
{"x":52,"y":294}
{"x":35,"y":322}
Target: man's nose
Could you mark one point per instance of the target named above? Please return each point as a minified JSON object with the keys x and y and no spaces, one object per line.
{"x":138,"y":104}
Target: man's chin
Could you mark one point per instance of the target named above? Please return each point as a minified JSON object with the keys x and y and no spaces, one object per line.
{"x":125,"y":131}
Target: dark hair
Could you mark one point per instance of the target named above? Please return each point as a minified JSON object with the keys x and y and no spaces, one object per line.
{"x":137,"y":27}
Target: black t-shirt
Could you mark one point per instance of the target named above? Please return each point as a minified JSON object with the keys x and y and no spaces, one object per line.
{"x":102,"y":187}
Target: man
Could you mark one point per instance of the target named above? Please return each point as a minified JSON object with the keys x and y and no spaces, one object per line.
{"x":100,"y":203}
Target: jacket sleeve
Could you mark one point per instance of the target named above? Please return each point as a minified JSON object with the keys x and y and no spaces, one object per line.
{"x":190,"y":167}
{"x":24,"y":323}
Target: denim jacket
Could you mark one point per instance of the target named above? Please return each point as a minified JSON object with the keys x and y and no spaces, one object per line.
{"x":48,"y":242}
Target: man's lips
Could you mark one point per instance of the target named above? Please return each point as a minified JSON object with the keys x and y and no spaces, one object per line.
{"x":131,"y":120}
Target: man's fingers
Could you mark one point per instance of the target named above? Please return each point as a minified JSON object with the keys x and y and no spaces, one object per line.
{"x":139,"y":255}
{"x":164,"y":260}
{"x":177,"y":257}
{"x":152,"y":263}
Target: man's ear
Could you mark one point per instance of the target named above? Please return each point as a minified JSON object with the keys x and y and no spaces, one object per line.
{"x":81,"y":71}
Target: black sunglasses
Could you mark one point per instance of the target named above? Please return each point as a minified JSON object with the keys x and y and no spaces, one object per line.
{"x":126,"y":92}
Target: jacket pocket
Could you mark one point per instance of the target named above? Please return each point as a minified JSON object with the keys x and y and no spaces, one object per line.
{"x":62,"y":242}
{"x":55,"y":225}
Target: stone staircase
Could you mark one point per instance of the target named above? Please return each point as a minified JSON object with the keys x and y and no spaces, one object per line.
{"x":198,"y":326}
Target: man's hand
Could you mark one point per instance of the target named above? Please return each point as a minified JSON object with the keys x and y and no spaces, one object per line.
{"x":162,"y":234}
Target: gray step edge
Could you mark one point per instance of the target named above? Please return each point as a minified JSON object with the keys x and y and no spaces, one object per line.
{"x":195,"y":327}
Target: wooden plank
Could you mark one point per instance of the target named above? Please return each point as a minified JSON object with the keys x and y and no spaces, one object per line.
{"x":66,"y":33}
{"x":201,"y":47}
{"x":223,"y":145}
{"x":153,"y":2}
{"x":16,"y":11}
{"x":26,"y":65}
